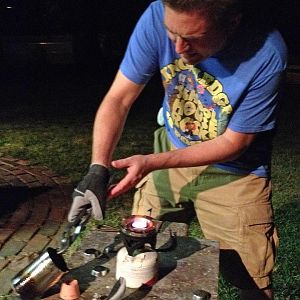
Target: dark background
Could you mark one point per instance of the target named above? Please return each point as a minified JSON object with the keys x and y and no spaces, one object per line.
{"x":54,"y":54}
{"x":97,"y":30}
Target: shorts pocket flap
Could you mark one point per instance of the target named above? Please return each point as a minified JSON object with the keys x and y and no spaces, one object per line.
{"x":257,"y":214}
{"x":142,"y":182}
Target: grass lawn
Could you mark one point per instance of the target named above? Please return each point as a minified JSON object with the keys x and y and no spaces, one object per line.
{"x":47,"y":119}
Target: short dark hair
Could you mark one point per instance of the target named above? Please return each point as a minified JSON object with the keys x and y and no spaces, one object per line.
{"x":220,"y":10}
{"x":257,"y":15}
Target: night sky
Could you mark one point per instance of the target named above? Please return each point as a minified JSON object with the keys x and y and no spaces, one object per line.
{"x":117,"y":17}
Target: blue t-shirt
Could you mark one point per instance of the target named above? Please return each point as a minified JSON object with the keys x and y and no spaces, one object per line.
{"x":236,"y":88}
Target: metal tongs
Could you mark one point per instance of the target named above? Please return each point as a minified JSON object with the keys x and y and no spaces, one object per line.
{"x":73,"y":230}
{"x":117,"y":292}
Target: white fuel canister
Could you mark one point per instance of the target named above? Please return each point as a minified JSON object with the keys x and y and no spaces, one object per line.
{"x":139,"y":269}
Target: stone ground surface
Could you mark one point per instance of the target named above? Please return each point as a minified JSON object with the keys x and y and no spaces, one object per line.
{"x":33,"y":206}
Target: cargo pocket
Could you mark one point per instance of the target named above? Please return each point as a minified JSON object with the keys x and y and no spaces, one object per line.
{"x":145,"y":202}
{"x":259,"y":239}
{"x":137,"y":198}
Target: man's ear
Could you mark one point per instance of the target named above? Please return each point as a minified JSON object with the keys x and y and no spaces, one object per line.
{"x":236,"y":20}
{"x":234,"y":23}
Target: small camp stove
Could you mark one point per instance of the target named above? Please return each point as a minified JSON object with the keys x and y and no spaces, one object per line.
{"x":137,"y":262}
{"x":138,"y":233}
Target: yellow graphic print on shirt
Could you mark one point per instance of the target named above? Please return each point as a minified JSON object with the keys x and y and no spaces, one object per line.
{"x":197,"y":109}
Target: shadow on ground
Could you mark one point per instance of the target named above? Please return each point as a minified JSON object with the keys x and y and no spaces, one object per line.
{"x":12,"y":196}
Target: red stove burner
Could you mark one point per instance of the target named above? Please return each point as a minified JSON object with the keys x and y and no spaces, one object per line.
{"x":138,"y":226}
{"x":136,"y":232}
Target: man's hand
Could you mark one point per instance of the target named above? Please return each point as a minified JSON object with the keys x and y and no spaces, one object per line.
{"x":91,"y":192}
{"x":137,"y":168}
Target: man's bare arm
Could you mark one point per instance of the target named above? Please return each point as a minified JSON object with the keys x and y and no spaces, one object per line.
{"x":225,"y":147}
{"x":111,"y":116}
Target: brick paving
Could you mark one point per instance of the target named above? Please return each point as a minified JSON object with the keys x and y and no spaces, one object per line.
{"x":33,"y":208}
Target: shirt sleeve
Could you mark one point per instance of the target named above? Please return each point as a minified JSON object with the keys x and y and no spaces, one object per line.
{"x":257,"y":111}
{"x":141,"y":57}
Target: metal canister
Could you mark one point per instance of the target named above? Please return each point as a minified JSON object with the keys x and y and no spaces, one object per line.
{"x":44,"y":272}
{"x":47,"y":269}
{"x":139,"y":269}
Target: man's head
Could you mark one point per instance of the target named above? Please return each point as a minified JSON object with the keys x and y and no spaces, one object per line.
{"x":200,"y":28}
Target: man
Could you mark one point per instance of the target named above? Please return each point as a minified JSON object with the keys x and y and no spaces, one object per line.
{"x":221,"y":79}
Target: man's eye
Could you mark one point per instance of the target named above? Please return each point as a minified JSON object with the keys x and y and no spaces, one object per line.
{"x":190,"y":40}
{"x":194,"y":39}
{"x":171,"y":36}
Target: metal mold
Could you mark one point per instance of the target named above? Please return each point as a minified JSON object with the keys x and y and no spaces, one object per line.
{"x":90,"y":254}
{"x":99,"y":271}
{"x":201,"y":295}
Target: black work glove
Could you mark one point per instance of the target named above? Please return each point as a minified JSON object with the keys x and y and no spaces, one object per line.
{"x":91,"y":192}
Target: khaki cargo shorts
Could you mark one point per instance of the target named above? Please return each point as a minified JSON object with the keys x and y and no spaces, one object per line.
{"x":234,"y":209}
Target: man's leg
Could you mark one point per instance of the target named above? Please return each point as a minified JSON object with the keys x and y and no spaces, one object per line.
{"x":159,"y":194}
{"x":233,"y":209}
{"x":240,"y":277}
{"x":157,"y":197}
{"x":239,"y":214}
{"x":257,"y":294}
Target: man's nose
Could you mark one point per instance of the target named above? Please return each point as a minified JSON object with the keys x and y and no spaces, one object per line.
{"x":181,"y":45}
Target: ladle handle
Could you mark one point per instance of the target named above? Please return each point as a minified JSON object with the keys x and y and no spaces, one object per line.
{"x":68,"y":237}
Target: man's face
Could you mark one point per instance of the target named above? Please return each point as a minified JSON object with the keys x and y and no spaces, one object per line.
{"x":194,"y":35}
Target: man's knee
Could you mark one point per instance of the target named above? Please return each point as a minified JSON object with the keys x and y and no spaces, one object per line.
{"x":235,"y":272}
